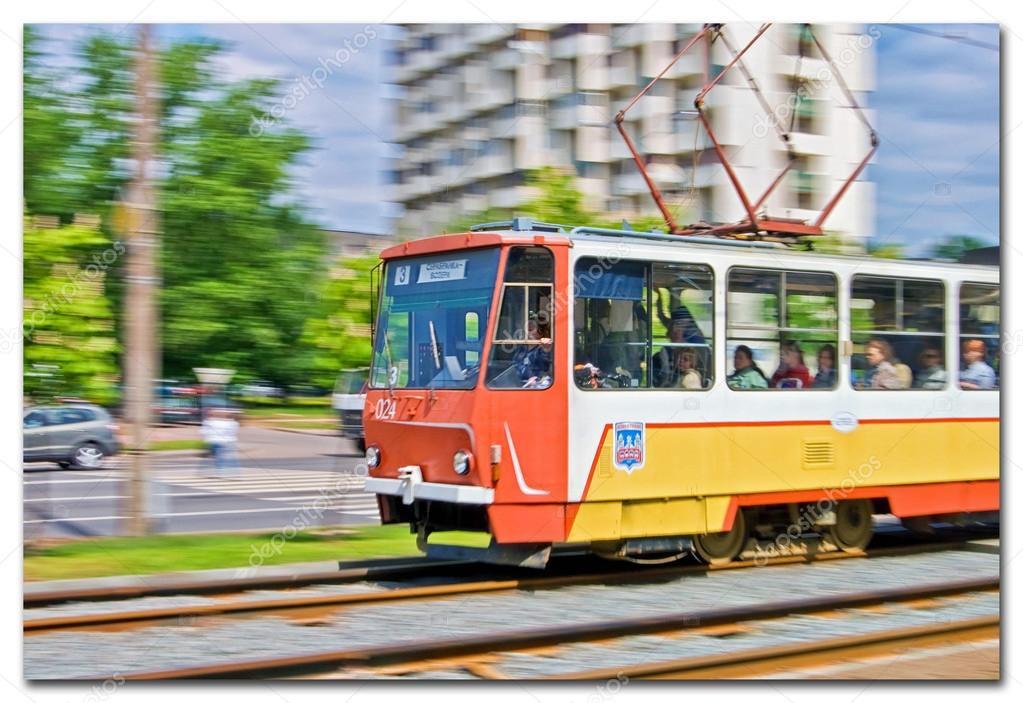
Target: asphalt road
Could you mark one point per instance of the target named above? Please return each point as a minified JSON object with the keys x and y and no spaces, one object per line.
{"x":286,"y":478}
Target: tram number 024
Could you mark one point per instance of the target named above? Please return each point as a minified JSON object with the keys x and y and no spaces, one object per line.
{"x":386,"y":409}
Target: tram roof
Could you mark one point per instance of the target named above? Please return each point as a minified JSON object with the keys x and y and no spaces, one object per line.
{"x":524,"y":230}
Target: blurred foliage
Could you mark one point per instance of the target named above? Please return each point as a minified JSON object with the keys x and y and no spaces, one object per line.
{"x":892,"y":250}
{"x":238,"y":258}
{"x":558,"y":200}
{"x":340,"y":332}
{"x":953,"y":248}
{"x":70,"y":345}
{"x":239,"y":261}
{"x":832,"y":243}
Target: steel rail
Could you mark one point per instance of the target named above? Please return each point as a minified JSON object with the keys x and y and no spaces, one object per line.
{"x":144,"y":616}
{"x":556,"y":635}
{"x":759,"y":660}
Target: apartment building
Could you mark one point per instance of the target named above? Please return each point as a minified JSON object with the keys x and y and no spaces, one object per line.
{"x":479,"y":105}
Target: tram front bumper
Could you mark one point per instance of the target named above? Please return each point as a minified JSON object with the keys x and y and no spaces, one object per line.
{"x":411,"y":487}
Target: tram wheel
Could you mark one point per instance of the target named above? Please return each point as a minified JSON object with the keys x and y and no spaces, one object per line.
{"x":722,"y":547}
{"x":854,"y":525}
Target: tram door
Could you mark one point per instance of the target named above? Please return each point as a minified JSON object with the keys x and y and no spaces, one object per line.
{"x":527,"y":389}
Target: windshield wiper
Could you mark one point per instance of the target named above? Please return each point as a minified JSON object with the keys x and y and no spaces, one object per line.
{"x":433,"y":346}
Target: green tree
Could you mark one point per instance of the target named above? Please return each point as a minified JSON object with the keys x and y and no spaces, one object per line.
{"x":340,"y":332}
{"x":70,"y":343}
{"x":893,"y":250}
{"x":952,"y":248}
{"x":239,"y":260}
{"x":48,"y":133}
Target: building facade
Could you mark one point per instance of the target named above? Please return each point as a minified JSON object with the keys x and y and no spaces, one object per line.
{"x":478,"y":105}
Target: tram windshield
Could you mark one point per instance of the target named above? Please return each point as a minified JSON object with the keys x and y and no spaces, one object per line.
{"x":432,"y":320}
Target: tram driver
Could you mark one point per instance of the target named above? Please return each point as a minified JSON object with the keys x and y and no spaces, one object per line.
{"x":533,"y":361}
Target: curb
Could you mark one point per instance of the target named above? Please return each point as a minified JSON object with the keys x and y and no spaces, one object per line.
{"x":179,"y":578}
{"x":299,"y":430}
{"x":38,"y":593}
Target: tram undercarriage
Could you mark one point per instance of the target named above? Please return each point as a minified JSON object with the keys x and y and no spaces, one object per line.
{"x":757,"y":533}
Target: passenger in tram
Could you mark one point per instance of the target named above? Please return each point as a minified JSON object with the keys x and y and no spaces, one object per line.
{"x":904,"y":373}
{"x":882,"y":362}
{"x":666,"y":361}
{"x":826,"y":373}
{"x":977,"y":375}
{"x":691,"y":332}
{"x":791,"y":372}
{"x":932,"y":375}
{"x":616,"y":350}
{"x":747,"y":374}
{"x":688,"y":377}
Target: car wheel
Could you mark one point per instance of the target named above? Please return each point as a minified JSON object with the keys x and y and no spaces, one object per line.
{"x":63,"y":464}
{"x":88,"y":456}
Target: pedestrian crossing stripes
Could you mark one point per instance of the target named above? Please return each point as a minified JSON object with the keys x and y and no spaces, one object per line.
{"x":315,"y":490}
{"x":298,"y":489}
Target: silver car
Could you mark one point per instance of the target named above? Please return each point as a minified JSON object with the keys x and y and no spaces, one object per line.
{"x":79,"y":435}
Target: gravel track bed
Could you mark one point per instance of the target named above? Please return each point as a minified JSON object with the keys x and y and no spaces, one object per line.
{"x":73,"y":654}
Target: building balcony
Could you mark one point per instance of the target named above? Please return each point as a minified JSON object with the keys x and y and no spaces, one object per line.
{"x":490,"y":97}
{"x":454,"y":46}
{"x":816,"y":144}
{"x":623,"y":76}
{"x":628,"y":36}
{"x":569,"y":115}
{"x":487,"y":33}
{"x":508,"y":197}
{"x":506,"y":59}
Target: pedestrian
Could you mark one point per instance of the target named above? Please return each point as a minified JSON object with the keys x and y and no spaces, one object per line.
{"x":220,"y":432}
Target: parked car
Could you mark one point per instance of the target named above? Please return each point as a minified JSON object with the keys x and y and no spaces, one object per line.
{"x":81,"y":435}
{"x":179,"y":405}
{"x":349,"y":397}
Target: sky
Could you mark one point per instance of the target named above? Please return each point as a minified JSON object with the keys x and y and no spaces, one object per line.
{"x":936,"y":111}
{"x":935,"y":107}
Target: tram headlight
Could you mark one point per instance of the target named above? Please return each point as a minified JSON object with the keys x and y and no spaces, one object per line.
{"x":461,"y":462}
{"x":373,"y":456}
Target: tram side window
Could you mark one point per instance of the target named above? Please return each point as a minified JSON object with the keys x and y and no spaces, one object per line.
{"x":682,"y":330}
{"x":782,"y":329}
{"x":522,"y":352}
{"x":898,"y":334}
{"x":611,"y":324}
{"x":979,"y":330}
{"x":643,"y":325}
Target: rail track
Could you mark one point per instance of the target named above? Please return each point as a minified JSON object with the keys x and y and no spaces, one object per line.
{"x":411,"y":569}
{"x":474,"y":653}
{"x":185,"y":584}
{"x":309,"y":605}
